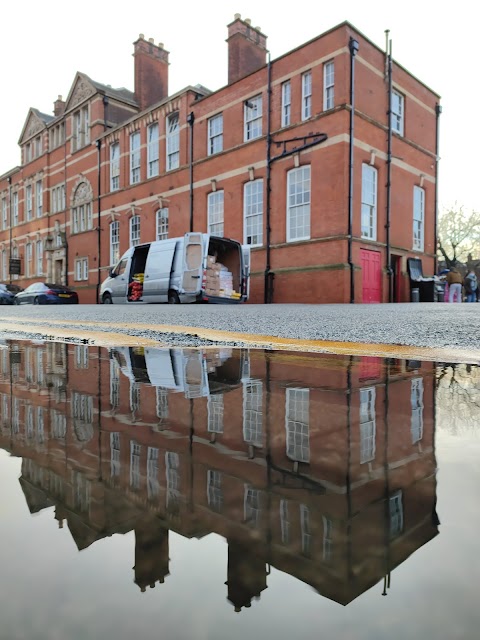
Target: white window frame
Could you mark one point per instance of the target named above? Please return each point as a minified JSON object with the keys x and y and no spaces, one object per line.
{"x":328,"y":85}
{"x":395,"y":507}
{"x":398,"y":112}
{"x":115,"y":166}
{"x":39,"y":198}
{"x":306,"y":530}
{"x":39,"y":257}
{"x":368,"y":425}
{"x":5,"y":274}
{"x":134,"y":231}
{"x":114,"y":242}
{"x":286,"y":103}
{"x":252,"y":505}
{"x":215,"y":134}
{"x":28,"y":202}
{"x":416,"y":401}
{"x":215,"y":408}
{"x":161,"y":402}
{"x":81,"y":269}
{"x":369,"y":202}
{"x":135,"y":157}
{"x":161,"y":223}
{"x":298,"y":203}
{"x":215,"y":213}
{"x":81,"y":129}
{"x":253,"y":123}
{"x":214,"y":490}
{"x":297,"y":424}
{"x":115,"y":460}
{"x":173,"y":141}
{"x":28,"y":259}
{"x":4,"y":214}
{"x":418,"y":218}
{"x":153,"y":484}
{"x":82,"y":217}
{"x":306,"y":95}
{"x":135,"y":458}
{"x":114,"y":384}
{"x":153,"y":151}
{"x":253,"y":412}
{"x":253,"y":213}
{"x":15,"y":208}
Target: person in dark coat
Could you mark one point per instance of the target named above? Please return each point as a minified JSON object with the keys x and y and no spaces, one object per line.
{"x":471,"y":286}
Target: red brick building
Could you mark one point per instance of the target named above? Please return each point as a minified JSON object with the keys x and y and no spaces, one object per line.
{"x":332,"y":200}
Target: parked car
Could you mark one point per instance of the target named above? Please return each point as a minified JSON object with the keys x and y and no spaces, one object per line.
{"x":7,"y":293}
{"x":45,"y":293}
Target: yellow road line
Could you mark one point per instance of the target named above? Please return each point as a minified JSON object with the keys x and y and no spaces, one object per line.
{"x":107,"y":338}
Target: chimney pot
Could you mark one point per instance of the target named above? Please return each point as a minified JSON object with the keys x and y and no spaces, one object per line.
{"x":141,"y":36}
{"x":237,"y":16}
{"x":161,"y":45}
{"x":248,"y":21}
{"x":151,"y":40}
{"x":258,"y":28}
{"x":60,"y":97}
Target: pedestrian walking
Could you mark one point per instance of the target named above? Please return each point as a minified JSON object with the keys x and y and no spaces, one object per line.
{"x":471,"y":285}
{"x":454,"y":279}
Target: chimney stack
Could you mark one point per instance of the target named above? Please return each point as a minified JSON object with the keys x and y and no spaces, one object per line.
{"x":58,"y":106}
{"x":247,"y":48}
{"x":151,"y":72}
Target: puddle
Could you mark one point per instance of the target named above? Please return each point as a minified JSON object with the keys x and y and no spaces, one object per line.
{"x":223,"y":493}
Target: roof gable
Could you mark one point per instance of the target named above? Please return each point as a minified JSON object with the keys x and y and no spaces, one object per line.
{"x":82,"y":88}
{"x":34,"y":123}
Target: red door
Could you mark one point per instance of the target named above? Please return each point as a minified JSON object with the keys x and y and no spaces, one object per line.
{"x":371,"y":276}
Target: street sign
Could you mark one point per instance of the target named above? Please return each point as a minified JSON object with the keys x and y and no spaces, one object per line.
{"x":15,"y":266}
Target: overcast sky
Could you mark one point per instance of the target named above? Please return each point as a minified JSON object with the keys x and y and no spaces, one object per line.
{"x":42,"y":45}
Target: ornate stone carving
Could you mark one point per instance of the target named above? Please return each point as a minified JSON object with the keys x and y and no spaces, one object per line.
{"x":34,"y":126}
{"x":83,"y":193}
{"x":82,"y":91}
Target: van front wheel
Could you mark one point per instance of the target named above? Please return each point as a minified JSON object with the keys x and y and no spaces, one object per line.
{"x":107,"y":298}
{"x":173,"y":297}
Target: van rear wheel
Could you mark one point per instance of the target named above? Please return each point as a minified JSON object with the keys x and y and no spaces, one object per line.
{"x":107,"y":298}
{"x":173,"y":297}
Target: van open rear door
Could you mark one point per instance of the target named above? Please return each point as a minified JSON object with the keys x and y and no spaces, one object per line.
{"x":246,"y":271}
{"x":193,"y":263}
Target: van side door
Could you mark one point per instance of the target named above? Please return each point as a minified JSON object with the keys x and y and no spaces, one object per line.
{"x":193,"y":252}
{"x":246,"y":271}
{"x":158,"y":269}
{"x":119,"y":281}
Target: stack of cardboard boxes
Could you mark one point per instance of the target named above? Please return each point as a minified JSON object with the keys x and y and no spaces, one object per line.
{"x":219,"y":280}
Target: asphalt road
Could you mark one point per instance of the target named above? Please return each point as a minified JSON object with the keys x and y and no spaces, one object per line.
{"x":421,"y":324}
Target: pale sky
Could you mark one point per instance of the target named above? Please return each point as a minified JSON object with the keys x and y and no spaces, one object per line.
{"x":43,"y":45}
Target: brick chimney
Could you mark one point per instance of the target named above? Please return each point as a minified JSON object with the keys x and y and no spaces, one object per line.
{"x":247,"y":48}
{"x":58,"y":106}
{"x":151,"y":72}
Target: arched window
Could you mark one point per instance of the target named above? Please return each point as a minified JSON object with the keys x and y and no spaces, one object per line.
{"x":82,"y":208}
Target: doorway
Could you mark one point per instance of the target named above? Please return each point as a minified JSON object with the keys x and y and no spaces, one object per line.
{"x":396,"y":269}
{"x":371,"y":276}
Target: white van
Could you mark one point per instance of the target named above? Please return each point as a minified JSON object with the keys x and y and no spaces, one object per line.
{"x":180,"y":270}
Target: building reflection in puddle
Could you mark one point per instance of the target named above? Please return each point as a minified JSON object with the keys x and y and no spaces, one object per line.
{"x":320,"y":466}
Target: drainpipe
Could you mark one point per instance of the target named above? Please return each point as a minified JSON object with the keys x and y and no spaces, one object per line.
{"x":353,"y":47}
{"x":99,"y":214}
{"x":190,"y":121}
{"x":438,"y":111}
{"x":65,"y":208}
{"x":389,"y":174}
{"x":267,"y":284}
{"x":9,"y":180}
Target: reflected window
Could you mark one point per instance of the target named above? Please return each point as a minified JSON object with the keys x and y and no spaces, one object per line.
{"x":59,"y":424}
{"x":114,"y":384}
{"x":396,"y":514}
{"x":161,"y":402}
{"x":416,"y":399}
{"x":29,"y":426}
{"x":252,"y":412}
{"x":284,"y":522}
{"x":305,"y":528}
{"x":134,"y":397}
{"x":5,"y":409}
{"x":40,"y":426}
{"x":172,"y":474}
{"x":81,"y":356}
{"x":215,"y":413}
{"x":56,"y":486}
{"x":81,"y":492}
{"x":251,"y":506}
{"x":367,"y":424}
{"x":135,"y":452}
{"x":82,"y":411}
{"x":153,"y":486}
{"x":40,"y":372}
{"x":327,"y":538}
{"x":16,"y":415}
{"x":214,"y":490}
{"x":29,"y":377}
{"x":297,"y":424}
{"x":114,"y":454}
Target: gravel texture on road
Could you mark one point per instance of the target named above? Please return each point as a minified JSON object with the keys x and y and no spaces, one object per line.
{"x":420,"y":324}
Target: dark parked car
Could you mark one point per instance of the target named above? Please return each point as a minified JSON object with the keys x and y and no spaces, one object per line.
{"x":45,"y":293}
{"x":7,"y":293}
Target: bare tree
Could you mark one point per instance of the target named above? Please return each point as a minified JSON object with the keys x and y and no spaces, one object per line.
{"x":458,"y":234}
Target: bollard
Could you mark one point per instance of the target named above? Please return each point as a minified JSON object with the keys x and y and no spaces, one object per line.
{"x":415,"y":295}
